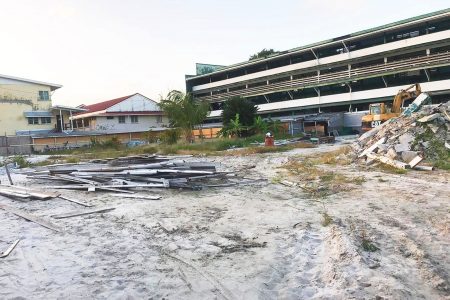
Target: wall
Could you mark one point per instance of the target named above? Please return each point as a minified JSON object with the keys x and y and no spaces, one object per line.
{"x":145,"y":123}
{"x":12,"y":145}
{"x":137,"y":102}
{"x":16,"y":98}
{"x":57,"y":142}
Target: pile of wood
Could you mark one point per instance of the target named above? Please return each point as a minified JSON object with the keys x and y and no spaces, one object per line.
{"x":404,"y":142}
{"x":137,"y":172}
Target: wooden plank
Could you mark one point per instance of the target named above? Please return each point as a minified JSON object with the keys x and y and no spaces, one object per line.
{"x":32,"y":193}
{"x":386,"y":160}
{"x":8,"y":174}
{"x":86,"y":187}
{"x":75,"y":201}
{"x":82,"y":213}
{"x":137,"y":196}
{"x":26,"y":216}
{"x":373,"y":147}
{"x":9,"y":250}
{"x":415,"y":161}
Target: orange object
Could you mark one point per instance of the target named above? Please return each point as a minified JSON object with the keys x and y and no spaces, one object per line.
{"x":269,"y":141}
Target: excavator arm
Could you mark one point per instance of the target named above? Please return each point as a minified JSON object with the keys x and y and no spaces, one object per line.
{"x":403,"y":95}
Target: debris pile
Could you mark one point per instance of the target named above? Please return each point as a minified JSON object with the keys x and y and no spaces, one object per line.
{"x":137,"y":172}
{"x":406,"y":141}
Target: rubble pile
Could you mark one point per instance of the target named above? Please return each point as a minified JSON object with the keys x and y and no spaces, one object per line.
{"x":407,"y":141}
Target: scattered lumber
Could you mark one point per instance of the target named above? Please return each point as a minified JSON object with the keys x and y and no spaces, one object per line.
{"x":123,"y":174}
{"x":146,"y":197}
{"x":23,"y":193}
{"x":82,"y":213}
{"x":10,"y":249}
{"x":74,"y":201}
{"x":26,"y":216}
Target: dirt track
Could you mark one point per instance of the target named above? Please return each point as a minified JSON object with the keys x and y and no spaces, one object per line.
{"x":263,"y":241}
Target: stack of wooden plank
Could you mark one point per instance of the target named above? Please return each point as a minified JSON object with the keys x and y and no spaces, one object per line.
{"x":25,"y":194}
{"x":125,"y":173}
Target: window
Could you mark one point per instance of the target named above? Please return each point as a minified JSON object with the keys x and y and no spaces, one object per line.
{"x":134,"y":119}
{"x":110,"y":118}
{"x":46,"y":120}
{"x":158,"y":119}
{"x":122,"y":119}
{"x":43,"y":96}
{"x":33,"y":121}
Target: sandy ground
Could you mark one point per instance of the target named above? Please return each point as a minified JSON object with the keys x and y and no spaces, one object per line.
{"x":262,"y":241}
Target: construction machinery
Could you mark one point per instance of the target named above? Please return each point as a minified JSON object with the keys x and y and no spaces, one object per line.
{"x":381,"y":112}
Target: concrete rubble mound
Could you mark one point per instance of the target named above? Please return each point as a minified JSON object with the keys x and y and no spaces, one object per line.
{"x":408,"y":141}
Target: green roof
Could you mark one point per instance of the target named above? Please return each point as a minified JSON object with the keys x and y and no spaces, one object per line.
{"x":337,"y":39}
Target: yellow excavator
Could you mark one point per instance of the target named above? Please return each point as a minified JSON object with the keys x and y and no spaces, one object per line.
{"x":381,"y":112}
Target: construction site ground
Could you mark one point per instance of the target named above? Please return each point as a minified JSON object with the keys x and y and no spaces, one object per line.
{"x":386,"y":237}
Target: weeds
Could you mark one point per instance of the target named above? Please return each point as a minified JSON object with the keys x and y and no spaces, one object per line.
{"x":20,"y":161}
{"x":390,"y":169}
{"x":326,"y":219}
{"x":366,"y":243}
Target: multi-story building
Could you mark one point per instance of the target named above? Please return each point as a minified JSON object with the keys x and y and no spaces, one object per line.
{"x":25,"y":105}
{"x":341,"y":74}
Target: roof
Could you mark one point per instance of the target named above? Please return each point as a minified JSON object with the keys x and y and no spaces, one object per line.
{"x":53,"y":86}
{"x":332,"y":40}
{"x":67,"y":108}
{"x":127,"y":113}
{"x":105,"y":104}
{"x":36,"y":113}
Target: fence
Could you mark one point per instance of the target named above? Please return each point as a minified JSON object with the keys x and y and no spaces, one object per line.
{"x":12,"y":145}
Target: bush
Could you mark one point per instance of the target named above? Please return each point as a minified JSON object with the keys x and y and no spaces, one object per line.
{"x":113,"y":143}
{"x":20,"y":161}
{"x":170,"y":136}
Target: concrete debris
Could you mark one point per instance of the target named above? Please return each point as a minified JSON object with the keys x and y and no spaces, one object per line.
{"x":404,"y":142}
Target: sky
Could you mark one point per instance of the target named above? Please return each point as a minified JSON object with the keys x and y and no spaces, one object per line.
{"x":104,"y":49}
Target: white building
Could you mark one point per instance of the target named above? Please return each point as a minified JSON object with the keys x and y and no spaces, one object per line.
{"x":346,"y":73}
{"x":133,"y":113}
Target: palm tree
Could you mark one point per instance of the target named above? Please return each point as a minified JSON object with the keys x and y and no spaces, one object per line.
{"x":184,"y":112}
{"x":259,"y":125}
{"x":235,"y":127}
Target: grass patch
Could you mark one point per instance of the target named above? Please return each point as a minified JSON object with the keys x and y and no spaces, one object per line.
{"x":326,"y":219}
{"x":390,"y":169}
{"x":337,"y":157}
{"x":317,"y":181}
{"x":21,"y":161}
{"x":368,"y":246}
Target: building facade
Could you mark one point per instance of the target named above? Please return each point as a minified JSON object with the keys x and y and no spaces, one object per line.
{"x":133,"y":113}
{"x":26,"y":105}
{"x":346,"y":73}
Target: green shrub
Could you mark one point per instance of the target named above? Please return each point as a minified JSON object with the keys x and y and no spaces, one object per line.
{"x":20,"y":161}
{"x":170,"y":136}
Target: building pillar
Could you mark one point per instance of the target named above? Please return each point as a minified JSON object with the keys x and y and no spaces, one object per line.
{"x":61,"y":120}
{"x":71,"y":120}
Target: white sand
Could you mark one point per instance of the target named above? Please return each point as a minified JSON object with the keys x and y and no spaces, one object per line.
{"x":237,"y":242}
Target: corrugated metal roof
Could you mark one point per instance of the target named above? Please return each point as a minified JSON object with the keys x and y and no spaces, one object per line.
{"x":337,"y":39}
{"x":105,"y":104}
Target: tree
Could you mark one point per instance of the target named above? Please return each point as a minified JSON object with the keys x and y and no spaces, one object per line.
{"x":259,"y":125}
{"x":263,"y":54}
{"x":184,"y":112}
{"x":239,"y":106}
